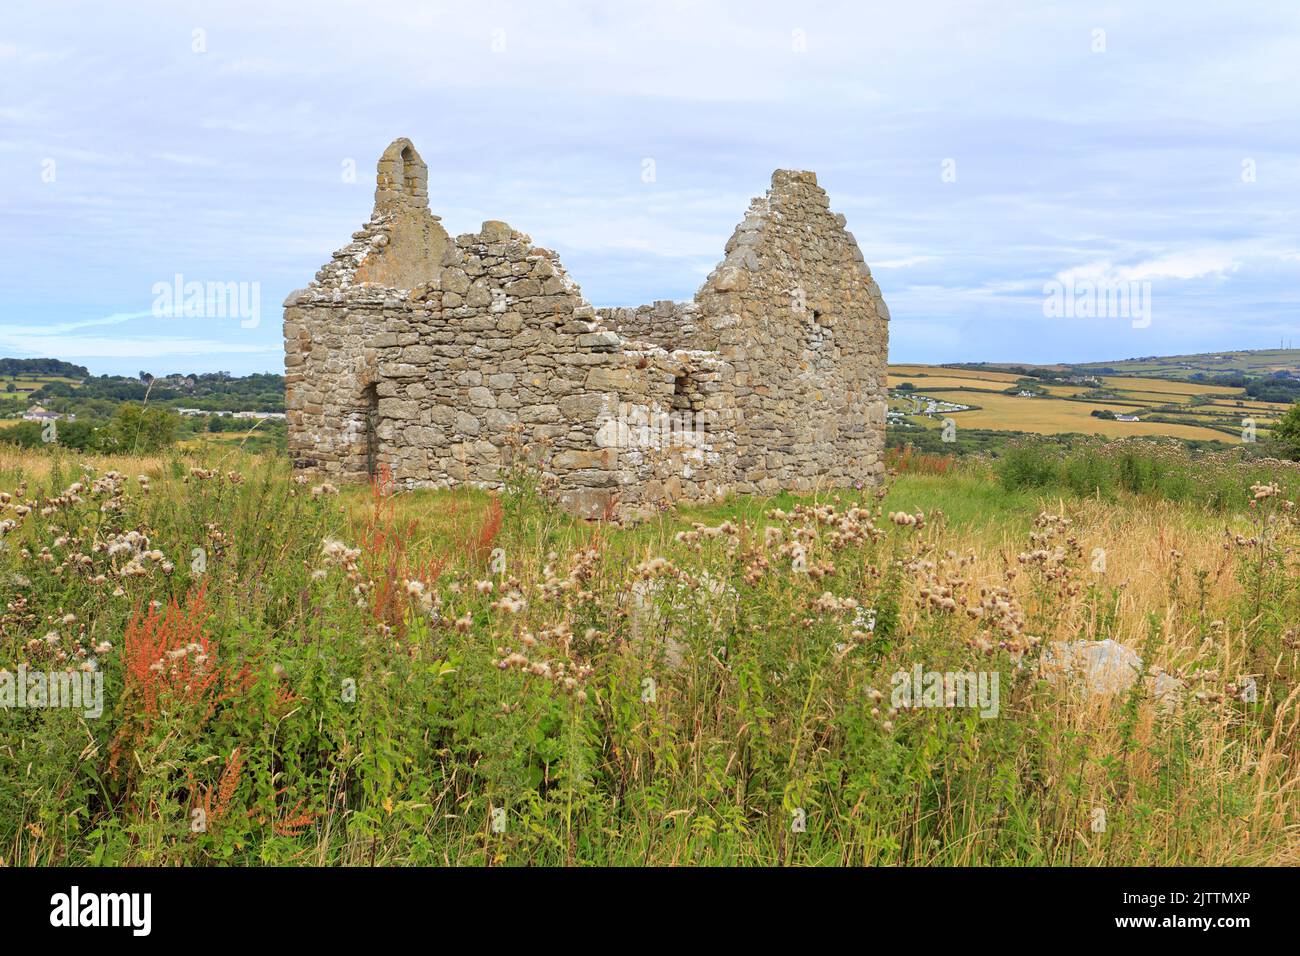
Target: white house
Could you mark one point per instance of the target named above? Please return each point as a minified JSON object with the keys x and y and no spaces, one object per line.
{"x":38,"y":414}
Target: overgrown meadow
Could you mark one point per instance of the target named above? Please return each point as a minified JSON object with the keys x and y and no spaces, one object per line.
{"x":298,"y":674}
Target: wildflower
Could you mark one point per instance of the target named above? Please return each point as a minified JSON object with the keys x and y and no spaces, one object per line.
{"x":336,"y":552}
{"x":1262,"y":491}
{"x":652,"y":567}
{"x":512,"y":604}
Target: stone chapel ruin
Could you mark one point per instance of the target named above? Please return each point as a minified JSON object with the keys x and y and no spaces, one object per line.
{"x":441,"y":358}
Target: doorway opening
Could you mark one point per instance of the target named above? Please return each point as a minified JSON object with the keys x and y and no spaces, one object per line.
{"x":370,"y":417}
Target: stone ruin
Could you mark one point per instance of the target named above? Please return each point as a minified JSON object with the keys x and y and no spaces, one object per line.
{"x":443,"y":359}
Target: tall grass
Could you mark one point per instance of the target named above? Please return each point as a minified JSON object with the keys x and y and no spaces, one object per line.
{"x":1143,"y":468}
{"x":392,"y":677}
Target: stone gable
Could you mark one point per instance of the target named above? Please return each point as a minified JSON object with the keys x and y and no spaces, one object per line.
{"x":440,"y":358}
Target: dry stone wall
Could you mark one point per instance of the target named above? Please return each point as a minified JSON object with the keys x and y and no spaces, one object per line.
{"x":668,"y":324}
{"x":441,"y":359}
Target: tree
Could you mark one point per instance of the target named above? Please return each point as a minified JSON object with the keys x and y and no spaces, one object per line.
{"x":1287,"y":432}
{"x":139,"y":430}
{"x":24,"y":434}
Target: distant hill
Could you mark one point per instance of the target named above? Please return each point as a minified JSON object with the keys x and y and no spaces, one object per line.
{"x":1178,"y":368}
{"x":1264,"y":375}
{"x":24,"y":367}
{"x":1204,"y":365}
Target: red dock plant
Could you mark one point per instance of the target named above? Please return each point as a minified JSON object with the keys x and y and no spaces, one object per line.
{"x":215,"y":801}
{"x":171,"y":665}
{"x":388,"y":564}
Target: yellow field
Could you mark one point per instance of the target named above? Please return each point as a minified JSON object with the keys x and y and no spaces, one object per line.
{"x":1053,"y":413}
{"x":923,"y":383}
{"x":933,"y":370}
{"x":1267,"y":408}
{"x":1156,"y":398}
{"x":1163,"y":387}
{"x":1066,"y":391}
{"x":1048,"y":417}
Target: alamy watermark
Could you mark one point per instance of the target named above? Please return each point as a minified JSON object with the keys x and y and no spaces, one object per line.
{"x":1073,"y":298}
{"x":208,"y":300}
{"x":921,"y":688}
{"x":75,"y":908}
{"x":636,"y":426}
{"x":72,"y":690}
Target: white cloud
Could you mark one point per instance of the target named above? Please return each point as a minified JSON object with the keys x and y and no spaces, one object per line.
{"x":904,"y":263}
{"x":1187,"y":265}
{"x":11,"y":333}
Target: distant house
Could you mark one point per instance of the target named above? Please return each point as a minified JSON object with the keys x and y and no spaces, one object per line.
{"x":1024,"y":394}
{"x":1127,"y":418}
{"x":188,"y":412}
{"x":38,"y":414}
{"x":259,"y":415}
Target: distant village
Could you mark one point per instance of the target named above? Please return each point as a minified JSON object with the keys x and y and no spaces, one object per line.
{"x":257,"y":415}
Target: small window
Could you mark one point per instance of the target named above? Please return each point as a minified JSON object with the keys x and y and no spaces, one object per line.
{"x":683,"y":393}
{"x":409,"y":175}
{"x":690,"y":417}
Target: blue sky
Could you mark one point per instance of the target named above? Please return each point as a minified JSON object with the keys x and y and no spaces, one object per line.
{"x":1155,"y":142}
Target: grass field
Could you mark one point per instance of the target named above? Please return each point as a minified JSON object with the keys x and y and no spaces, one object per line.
{"x":1174,"y":408}
{"x":297,"y":674}
{"x":23,"y":386}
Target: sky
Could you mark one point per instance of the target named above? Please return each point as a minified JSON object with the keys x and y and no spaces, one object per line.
{"x":990,"y":157}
